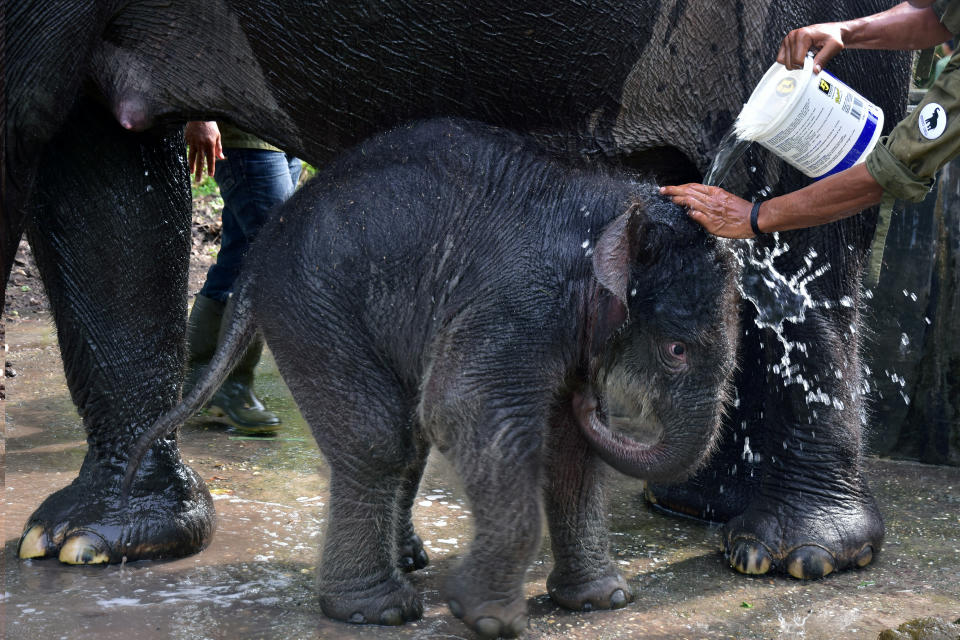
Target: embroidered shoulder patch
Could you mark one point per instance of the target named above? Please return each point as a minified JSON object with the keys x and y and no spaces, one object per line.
{"x":933,"y":121}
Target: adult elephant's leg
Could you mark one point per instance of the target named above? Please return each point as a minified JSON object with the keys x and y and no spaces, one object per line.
{"x":583,"y":577}
{"x":813,"y":512}
{"x":109,"y":225}
{"x":787,"y":479}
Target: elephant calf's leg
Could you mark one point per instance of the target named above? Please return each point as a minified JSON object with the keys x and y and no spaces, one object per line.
{"x":358,"y":579}
{"x":502,"y":484}
{"x":360,"y":419}
{"x":411,"y":555}
{"x":583,"y":577}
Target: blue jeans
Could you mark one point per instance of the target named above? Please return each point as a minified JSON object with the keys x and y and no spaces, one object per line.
{"x":252,"y":182}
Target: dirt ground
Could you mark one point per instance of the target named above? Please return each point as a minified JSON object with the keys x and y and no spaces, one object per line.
{"x":255,"y":579}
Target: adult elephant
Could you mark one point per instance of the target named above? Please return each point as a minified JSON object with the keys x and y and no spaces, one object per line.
{"x":93,"y":170}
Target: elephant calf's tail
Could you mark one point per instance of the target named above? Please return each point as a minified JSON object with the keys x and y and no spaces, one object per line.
{"x":239,"y":333}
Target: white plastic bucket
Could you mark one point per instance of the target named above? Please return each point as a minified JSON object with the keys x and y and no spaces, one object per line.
{"x":814,"y":122}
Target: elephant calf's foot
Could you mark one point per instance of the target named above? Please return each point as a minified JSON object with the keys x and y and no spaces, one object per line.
{"x":170,"y":514}
{"x":807,"y":541}
{"x":500,"y":616}
{"x":609,"y":591}
{"x":392,"y":601}
{"x":411,"y":555}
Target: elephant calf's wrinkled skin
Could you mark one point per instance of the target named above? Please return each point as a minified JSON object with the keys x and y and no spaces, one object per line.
{"x":447,"y":284}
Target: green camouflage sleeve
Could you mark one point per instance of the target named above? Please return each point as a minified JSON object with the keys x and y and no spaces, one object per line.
{"x":949,"y":13}
{"x":905,"y":162}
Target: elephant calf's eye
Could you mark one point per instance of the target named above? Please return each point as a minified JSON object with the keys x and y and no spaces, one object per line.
{"x":675,"y":355}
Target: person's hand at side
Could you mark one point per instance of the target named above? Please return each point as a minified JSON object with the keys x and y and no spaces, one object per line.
{"x":203,"y":144}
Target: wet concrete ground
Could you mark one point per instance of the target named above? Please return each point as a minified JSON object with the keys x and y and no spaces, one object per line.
{"x":256,"y":578}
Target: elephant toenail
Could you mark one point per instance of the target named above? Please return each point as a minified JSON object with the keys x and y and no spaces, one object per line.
{"x":357,"y":618}
{"x":391,"y":617}
{"x":750,"y":558}
{"x":86,"y":548}
{"x":618,"y":599}
{"x":865,"y":556}
{"x":33,"y":543}
{"x":810,"y":563}
{"x":488,"y":627}
{"x":455,"y":608}
{"x":648,"y":493}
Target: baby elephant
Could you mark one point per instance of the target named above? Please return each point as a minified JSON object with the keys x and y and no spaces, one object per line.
{"x":449,"y":284}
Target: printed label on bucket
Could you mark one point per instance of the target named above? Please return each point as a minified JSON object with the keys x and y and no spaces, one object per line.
{"x":830,"y":129}
{"x":814,"y":122}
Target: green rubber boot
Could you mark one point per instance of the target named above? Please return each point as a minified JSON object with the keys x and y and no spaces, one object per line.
{"x":234,"y":403}
{"x":203,"y":331}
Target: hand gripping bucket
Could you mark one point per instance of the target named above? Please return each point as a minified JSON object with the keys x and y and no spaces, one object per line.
{"x":815,"y":123}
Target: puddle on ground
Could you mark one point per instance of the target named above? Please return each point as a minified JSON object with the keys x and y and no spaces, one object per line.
{"x":256,"y":578}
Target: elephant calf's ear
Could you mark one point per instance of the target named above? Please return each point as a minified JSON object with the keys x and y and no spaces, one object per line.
{"x":615,"y":251}
{"x":612,"y":256}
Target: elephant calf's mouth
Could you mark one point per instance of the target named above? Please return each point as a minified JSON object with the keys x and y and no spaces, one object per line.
{"x":642,"y":430}
{"x":631,"y":415}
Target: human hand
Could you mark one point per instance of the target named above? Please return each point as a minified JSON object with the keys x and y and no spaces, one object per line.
{"x":203,"y":142}
{"x":826,"y":39}
{"x":719,"y":212}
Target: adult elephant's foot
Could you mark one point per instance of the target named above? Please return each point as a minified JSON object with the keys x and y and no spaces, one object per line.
{"x":170,"y":513}
{"x":718,"y":492}
{"x":607,"y":591}
{"x":390,"y":600}
{"x":806,"y":535}
{"x":491,"y":615}
{"x":703,"y":497}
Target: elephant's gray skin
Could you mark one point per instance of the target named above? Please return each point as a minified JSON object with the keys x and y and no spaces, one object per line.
{"x":646,"y":82}
{"x":448,"y":284}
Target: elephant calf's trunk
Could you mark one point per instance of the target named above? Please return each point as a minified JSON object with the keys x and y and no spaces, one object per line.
{"x":668,"y":459}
